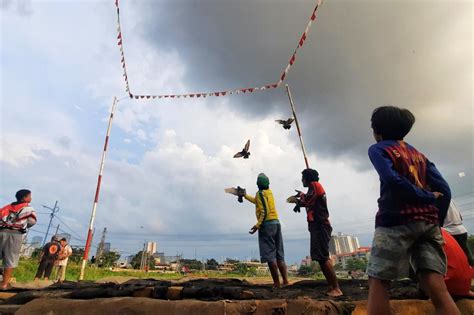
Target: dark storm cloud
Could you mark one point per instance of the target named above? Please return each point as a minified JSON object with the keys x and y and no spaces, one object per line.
{"x":359,"y":55}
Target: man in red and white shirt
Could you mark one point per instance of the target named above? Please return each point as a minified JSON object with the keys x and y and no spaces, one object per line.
{"x":15,"y":220}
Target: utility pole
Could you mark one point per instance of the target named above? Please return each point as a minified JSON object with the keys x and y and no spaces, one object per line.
{"x":142,"y":262}
{"x":57,"y":229}
{"x":54,"y":210}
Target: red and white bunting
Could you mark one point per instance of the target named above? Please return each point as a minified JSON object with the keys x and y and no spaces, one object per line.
{"x":220,"y":93}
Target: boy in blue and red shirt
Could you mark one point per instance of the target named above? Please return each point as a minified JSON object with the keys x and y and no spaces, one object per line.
{"x":413,"y":201}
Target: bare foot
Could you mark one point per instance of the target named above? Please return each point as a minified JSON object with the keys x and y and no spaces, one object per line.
{"x":334,"y":293}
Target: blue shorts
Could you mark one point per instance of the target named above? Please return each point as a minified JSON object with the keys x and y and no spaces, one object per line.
{"x":270,"y":243}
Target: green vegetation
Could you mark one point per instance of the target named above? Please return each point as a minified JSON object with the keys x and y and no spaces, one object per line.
{"x":27,"y":269}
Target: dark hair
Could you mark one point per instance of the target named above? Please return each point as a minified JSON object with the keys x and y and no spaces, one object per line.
{"x":391,"y":122}
{"x":22,"y":194}
{"x":310,"y":175}
{"x":63,"y":239}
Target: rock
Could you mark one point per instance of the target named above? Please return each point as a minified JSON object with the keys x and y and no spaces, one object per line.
{"x":146,"y":292}
{"x":116,"y":279}
{"x":247,"y":295}
{"x":159,"y":292}
{"x":9,"y":309}
{"x":27,"y":296}
{"x":6,"y":295}
{"x":174,"y":293}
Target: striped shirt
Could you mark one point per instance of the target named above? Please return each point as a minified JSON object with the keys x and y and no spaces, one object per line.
{"x":407,"y":180}
{"x":17,"y":216}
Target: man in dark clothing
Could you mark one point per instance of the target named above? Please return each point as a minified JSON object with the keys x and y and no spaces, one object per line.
{"x":48,"y":256}
{"x":319,"y":226}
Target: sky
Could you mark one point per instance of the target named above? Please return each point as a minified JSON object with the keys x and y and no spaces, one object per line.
{"x":170,"y":160}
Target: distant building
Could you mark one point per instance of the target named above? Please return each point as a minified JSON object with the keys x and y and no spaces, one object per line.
{"x":106,"y":248}
{"x":151,"y":248}
{"x":306,"y":261}
{"x":360,"y":253}
{"x":343,"y":244}
{"x":36,"y":241}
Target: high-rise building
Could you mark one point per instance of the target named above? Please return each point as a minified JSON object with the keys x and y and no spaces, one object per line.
{"x":151,"y":248}
{"x":343,"y":244}
{"x":106,"y":248}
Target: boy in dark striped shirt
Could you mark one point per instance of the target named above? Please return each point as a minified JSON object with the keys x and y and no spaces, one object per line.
{"x":413,"y":201}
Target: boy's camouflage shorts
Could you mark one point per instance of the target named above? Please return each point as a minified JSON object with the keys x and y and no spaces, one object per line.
{"x":395,"y":248}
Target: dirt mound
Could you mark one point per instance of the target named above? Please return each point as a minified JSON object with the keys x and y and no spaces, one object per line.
{"x":137,"y":306}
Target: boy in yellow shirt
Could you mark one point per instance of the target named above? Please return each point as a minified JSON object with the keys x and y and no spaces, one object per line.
{"x":270,"y":240}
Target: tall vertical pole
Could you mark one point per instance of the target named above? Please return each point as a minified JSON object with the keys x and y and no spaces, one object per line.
{"x":57,"y":229}
{"x":53,"y":212}
{"x":297,"y":125}
{"x":96,"y":198}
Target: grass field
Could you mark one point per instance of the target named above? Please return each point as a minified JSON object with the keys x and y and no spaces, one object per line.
{"x":27,"y":269}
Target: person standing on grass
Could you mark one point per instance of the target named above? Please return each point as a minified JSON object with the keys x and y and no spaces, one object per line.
{"x":319,"y":227}
{"x":270,"y":240}
{"x":407,"y":224}
{"x":63,"y":258}
{"x":48,"y":256}
{"x":15,"y":220}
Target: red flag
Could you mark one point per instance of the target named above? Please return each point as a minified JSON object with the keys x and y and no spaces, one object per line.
{"x":275,"y":85}
{"x":283,"y":76}
{"x":313,"y":17}
{"x":116,"y":3}
{"x":166,"y":96}
{"x":303,"y":38}
{"x":292,"y":60}
{"x":131,"y":96}
{"x":172,"y":96}
{"x":243,"y":90}
{"x":148,"y":96}
{"x":119,"y":42}
{"x":142,"y":96}
{"x":223,"y":93}
{"x":198,"y":95}
{"x":119,"y":35}
{"x":268,"y":86}
{"x":251,"y":89}
{"x":191,"y":95}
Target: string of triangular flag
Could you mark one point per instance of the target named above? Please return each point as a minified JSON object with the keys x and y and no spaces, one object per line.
{"x":218,"y":93}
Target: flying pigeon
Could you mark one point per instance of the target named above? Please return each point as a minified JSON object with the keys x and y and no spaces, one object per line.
{"x":286,"y":123}
{"x":245,"y":152}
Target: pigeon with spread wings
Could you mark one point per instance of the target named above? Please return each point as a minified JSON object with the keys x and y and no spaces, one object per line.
{"x":286,"y":123}
{"x":245,"y":153}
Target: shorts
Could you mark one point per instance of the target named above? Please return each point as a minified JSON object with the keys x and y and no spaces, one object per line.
{"x":270,"y":243}
{"x":10,"y":246}
{"x":320,"y":235}
{"x":395,"y":248}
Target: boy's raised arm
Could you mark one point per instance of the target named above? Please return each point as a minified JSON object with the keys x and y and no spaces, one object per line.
{"x":384,"y":167}
{"x":250,"y":198}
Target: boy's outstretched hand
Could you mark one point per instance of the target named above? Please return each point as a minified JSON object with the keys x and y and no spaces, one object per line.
{"x":253,"y":229}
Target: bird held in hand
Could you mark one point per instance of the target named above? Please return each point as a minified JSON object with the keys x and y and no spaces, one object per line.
{"x":245,"y":153}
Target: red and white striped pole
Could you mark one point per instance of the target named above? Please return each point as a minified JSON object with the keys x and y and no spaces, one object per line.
{"x":297,"y":125}
{"x":96,"y":198}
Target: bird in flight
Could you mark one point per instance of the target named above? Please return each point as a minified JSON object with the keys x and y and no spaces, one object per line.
{"x":286,"y":123}
{"x":245,"y":153}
